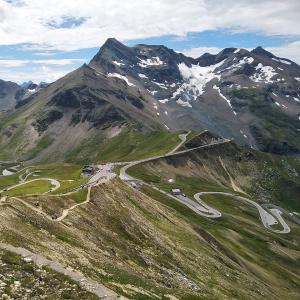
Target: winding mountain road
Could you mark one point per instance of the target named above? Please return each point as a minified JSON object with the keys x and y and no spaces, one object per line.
{"x":124,"y":176}
{"x":269,"y":216}
{"x":268,"y":219}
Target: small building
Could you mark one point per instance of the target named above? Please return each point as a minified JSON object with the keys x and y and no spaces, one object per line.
{"x":87,"y":170}
{"x":176,"y":192}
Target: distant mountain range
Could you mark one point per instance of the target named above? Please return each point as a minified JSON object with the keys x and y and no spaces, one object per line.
{"x":12,"y":94}
{"x":252,"y":97}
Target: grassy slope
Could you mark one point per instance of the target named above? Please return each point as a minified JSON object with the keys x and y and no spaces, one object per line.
{"x":149,"y":247}
{"x":69,"y":176}
{"x":126,"y":146}
{"x":266,"y":177}
{"x":243,"y":237}
{"x":35,"y":187}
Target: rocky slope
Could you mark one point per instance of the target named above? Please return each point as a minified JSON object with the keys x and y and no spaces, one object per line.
{"x":12,"y":94}
{"x":144,"y":245}
{"x":252,"y":97}
{"x":8,"y":91}
{"x":79,"y":111}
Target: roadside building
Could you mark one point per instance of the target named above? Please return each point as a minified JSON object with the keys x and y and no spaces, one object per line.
{"x":176,"y":192}
{"x":87,"y":170}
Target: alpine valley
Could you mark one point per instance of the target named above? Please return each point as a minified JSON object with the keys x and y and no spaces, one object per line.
{"x":147,"y":174}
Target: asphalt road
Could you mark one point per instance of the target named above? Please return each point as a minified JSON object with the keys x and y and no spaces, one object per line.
{"x":125,"y":176}
{"x":200,"y":207}
{"x":55,"y":183}
{"x":268,"y":218}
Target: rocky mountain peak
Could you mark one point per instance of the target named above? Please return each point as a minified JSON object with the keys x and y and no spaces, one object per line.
{"x":262,"y":52}
{"x":112,"y":49}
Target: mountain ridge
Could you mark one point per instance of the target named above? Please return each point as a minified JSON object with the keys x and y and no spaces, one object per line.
{"x":249,"y":96}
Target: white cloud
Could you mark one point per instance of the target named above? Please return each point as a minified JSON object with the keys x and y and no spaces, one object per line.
{"x":14,"y":63}
{"x":31,"y":21}
{"x":290,"y":51}
{"x":47,"y":70}
{"x":46,"y":53}
{"x":198,"y":51}
{"x":42,"y":73}
{"x":59,"y":62}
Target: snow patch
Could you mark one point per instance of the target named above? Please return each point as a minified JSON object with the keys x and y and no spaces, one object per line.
{"x":118,"y":63}
{"x":163,"y":101}
{"x":142,"y":75}
{"x":240,"y":63}
{"x":152,"y":92}
{"x":161,"y":85}
{"x":264,"y":74}
{"x":222,"y":96}
{"x":281,"y":105}
{"x":282,"y":61}
{"x":120,"y":77}
{"x":183,"y":103}
{"x":244,"y":135}
{"x":154,"y":61}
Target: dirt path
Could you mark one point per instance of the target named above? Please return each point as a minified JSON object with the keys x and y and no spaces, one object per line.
{"x":67,"y":210}
{"x":86,"y":283}
{"x":234,"y":186}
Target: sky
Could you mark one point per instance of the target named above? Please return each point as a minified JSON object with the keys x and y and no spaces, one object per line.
{"x":43,"y":40}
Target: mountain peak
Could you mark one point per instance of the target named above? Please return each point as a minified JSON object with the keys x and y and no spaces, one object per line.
{"x":112,"y":47}
{"x":262,"y":52}
{"x":111,"y":42}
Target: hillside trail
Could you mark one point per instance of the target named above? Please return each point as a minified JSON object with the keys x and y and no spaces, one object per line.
{"x":67,"y":210}
{"x":235,"y":187}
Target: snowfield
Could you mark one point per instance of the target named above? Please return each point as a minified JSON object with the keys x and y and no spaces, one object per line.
{"x":154,"y":61}
{"x":264,"y":74}
{"x":195,"y":79}
{"x":120,"y":77}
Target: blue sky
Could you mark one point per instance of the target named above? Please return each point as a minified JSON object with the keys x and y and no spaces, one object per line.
{"x":64,"y":36}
